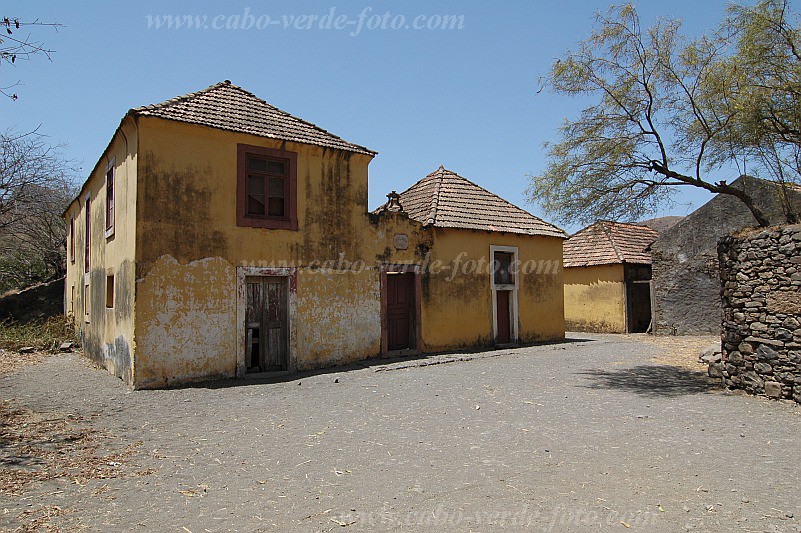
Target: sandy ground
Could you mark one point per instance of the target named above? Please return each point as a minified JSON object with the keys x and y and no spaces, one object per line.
{"x":600,"y":433}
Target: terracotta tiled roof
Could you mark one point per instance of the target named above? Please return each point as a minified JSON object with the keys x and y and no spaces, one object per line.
{"x":446,"y":200}
{"x":229,"y":107}
{"x":606,"y":243}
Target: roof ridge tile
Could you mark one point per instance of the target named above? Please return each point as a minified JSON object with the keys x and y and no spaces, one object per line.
{"x":240,"y":110}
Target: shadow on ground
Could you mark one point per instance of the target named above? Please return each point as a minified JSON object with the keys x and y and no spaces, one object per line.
{"x":652,"y":380}
{"x":375,"y":363}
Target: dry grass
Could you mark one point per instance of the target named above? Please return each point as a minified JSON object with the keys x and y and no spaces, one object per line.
{"x":681,"y":350}
{"x":44,"y":337}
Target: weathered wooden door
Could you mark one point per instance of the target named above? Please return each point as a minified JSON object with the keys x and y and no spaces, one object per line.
{"x":400,"y":299}
{"x":504,"y":317}
{"x":266,"y":324}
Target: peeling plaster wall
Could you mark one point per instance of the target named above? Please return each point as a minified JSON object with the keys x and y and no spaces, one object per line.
{"x":338,"y":317}
{"x":107,"y":333}
{"x":595,"y":299}
{"x":185,"y":327}
{"x":190,"y":247}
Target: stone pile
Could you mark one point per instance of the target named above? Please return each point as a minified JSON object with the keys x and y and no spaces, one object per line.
{"x":761,"y":293}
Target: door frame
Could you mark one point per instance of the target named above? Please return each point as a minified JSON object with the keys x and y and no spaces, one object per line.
{"x":512,"y":287}
{"x":290,"y":279}
{"x":415,"y":270}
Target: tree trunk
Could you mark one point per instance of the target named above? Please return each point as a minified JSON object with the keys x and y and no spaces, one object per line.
{"x":744,"y":197}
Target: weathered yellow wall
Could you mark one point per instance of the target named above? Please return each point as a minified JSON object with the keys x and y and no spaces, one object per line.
{"x":188,"y":311}
{"x":457,"y":304}
{"x":595,"y":299}
{"x":176,"y":252}
{"x":456,"y":283}
{"x":186,"y":219}
{"x":338,"y":317}
{"x":108,"y":334}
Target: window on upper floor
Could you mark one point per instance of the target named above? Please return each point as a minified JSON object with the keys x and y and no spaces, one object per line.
{"x":266,"y":188}
{"x":87,"y":234}
{"x":72,"y":238}
{"x":110,"y":199}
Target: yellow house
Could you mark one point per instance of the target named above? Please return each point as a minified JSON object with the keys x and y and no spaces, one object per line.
{"x":607,"y":278}
{"x":221,"y":237}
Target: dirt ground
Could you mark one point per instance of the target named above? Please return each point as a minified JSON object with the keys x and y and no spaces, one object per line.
{"x":599,"y":433}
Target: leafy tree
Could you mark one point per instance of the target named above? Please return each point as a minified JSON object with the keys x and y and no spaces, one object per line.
{"x":667,"y":112}
{"x":767,"y":67}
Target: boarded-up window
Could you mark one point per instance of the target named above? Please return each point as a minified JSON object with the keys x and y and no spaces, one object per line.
{"x":110,"y":291}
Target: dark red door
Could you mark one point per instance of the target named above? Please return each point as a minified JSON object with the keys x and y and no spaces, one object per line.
{"x":503,"y":314}
{"x":400,"y":296}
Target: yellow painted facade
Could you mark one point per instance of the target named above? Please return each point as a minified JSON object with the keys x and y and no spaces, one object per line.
{"x":107,"y":332}
{"x":181,"y":260}
{"x":595,"y":298}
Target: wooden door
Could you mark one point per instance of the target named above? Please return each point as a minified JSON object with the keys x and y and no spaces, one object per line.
{"x":504,"y":313}
{"x":638,"y":302}
{"x":400,"y":300}
{"x":266,"y":325}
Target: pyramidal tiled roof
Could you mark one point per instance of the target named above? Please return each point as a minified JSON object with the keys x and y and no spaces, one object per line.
{"x":229,"y":107}
{"x":446,"y":200}
{"x":607,"y":243}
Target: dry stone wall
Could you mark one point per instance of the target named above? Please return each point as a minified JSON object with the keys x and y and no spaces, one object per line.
{"x":761,"y":294}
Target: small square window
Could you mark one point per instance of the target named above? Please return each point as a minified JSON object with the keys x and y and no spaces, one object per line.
{"x":110,"y":291}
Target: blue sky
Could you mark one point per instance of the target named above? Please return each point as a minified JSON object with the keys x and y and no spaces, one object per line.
{"x":465,"y":98}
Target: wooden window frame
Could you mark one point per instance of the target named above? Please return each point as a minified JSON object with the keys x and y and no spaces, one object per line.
{"x":290,"y":219}
{"x":109,"y":290}
{"x":87,"y":234}
{"x":110,"y":199}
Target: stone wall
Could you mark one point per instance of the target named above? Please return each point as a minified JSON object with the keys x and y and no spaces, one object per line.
{"x":686,"y":287}
{"x":34,"y":303}
{"x":760,"y":273}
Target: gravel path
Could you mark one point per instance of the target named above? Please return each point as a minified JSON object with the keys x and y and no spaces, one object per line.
{"x":589,"y":435}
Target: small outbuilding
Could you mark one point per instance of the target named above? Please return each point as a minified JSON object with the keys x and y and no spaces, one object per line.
{"x":608,"y":278}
